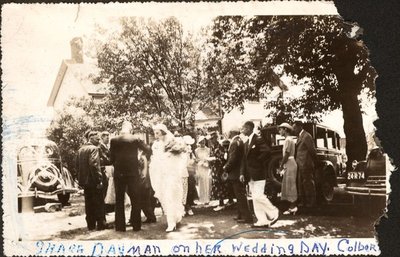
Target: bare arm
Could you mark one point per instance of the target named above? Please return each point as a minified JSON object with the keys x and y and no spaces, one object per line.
{"x":284,"y":159}
{"x":286,"y":153}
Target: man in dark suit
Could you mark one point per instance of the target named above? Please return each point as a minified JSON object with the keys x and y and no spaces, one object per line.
{"x":90,"y":178}
{"x":253,"y":170}
{"x":104,"y":151}
{"x":105,"y":161}
{"x":305,"y":156}
{"x":124,"y":157}
{"x":147,"y":193}
{"x":232,"y":167}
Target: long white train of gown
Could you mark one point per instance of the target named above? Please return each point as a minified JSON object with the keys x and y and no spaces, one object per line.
{"x":166,"y":180}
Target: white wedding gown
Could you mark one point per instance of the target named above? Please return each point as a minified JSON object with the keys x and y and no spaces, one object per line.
{"x":166,"y":180}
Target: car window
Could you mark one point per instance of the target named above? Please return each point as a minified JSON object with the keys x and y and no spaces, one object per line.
{"x":280,"y":140}
{"x":331,"y":139}
{"x":320,"y":142}
{"x":275,"y":138}
{"x":321,"y":137}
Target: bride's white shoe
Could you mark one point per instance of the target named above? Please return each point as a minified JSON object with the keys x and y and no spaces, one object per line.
{"x":291,"y":211}
{"x":170,"y":229}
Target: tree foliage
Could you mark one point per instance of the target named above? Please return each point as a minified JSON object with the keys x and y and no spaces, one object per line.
{"x":68,"y":128}
{"x":230,"y":63}
{"x":318,"y":53}
{"x":315,"y":51}
{"x":154,"y":71}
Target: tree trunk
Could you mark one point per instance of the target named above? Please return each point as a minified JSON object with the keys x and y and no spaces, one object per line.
{"x":356,"y":142}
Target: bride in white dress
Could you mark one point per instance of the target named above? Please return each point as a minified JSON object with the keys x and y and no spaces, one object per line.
{"x":166,"y":166}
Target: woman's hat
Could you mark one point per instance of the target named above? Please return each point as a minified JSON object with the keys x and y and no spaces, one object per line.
{"x":285,"y":125}
{"x":188,"y":140}
{"x":201,"y":138}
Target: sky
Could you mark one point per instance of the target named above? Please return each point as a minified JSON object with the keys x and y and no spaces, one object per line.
{"x":35,"y":39}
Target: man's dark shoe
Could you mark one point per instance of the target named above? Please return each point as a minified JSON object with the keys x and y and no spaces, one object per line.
{"x":102,"y":227}
{"x":260,"y":226}
{"x":136,"y":229}
{"x":304,"y":211}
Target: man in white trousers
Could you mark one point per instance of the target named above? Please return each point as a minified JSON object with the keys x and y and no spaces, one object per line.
{"x":253,"y":170}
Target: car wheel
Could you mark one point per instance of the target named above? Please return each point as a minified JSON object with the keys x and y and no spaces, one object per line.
{"x":63,"y":198}
{"x":273,"y":171}
{"x":327,"y":190}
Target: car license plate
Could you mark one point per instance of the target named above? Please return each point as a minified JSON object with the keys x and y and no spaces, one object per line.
{"x":356,"y":175}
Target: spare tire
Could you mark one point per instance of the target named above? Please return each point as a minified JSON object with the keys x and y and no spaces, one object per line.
{"x":45,"y":177}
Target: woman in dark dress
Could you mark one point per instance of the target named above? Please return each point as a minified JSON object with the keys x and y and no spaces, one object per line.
{"x":219,"y":188}
{"x":191,"y":181}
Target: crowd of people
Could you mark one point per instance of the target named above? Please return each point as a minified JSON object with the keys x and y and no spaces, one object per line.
{"x":176,"y":172}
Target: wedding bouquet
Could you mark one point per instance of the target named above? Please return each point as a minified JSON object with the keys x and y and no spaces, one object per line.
{"x":176,"y":146}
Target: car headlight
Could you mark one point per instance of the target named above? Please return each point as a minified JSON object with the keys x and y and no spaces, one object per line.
{"x":354,"y":164}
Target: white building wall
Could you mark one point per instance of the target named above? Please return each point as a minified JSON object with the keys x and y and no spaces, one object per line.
{"x":70,"y":86}
{"x":252,"y":111}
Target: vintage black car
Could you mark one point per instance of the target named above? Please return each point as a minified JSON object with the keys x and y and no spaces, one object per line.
{"x":330,"y":167}
{"x":368,"y":177}
{"x":40,"y":172}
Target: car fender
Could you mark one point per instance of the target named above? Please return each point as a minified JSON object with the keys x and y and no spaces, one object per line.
{"x":327,"y":170}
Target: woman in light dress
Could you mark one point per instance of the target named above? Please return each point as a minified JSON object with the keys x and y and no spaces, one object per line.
{"x":203,"y":171}
{"x":188,"y":141}
{"x":288,"y":167}
{"x":168,"y":163}
{"x":189,"y":180}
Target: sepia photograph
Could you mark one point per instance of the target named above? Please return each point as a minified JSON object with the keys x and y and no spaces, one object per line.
{"x":188,"y":122}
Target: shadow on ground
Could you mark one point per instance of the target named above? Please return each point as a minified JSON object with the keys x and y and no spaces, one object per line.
{"x":331,"y":221}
